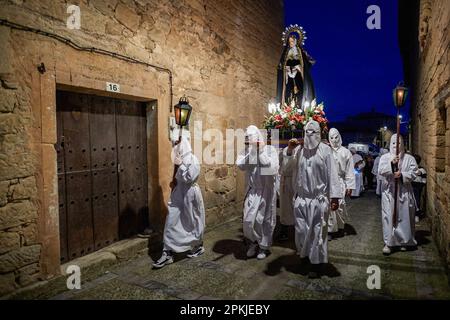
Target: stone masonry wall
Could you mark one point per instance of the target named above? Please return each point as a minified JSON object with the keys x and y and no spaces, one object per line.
{"x":431,"y":113}
{"x":223,"y":55}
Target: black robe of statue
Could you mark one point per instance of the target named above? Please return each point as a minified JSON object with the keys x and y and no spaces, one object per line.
{"x":307,"y":93}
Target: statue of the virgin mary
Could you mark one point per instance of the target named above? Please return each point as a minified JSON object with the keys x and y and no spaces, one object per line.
{"x":294,"y":77}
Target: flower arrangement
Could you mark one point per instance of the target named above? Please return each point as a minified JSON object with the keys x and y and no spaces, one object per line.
{"x":290,"y":120}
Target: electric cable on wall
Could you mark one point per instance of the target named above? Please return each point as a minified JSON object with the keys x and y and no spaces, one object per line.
{"x":76,"y":46}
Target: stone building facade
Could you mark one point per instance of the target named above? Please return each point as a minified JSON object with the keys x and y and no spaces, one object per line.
{"x":425,"y":41}
{"x":221,"y":54}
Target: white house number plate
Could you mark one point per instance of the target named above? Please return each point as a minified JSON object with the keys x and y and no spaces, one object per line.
{"x":112,"y":87}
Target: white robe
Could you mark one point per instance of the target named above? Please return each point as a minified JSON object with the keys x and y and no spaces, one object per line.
{"x":286,"y":187}
{"x":359,"y":179}
{"x":346,"y":173}
{"x":260,"y":200}
{"x":403,"y":235}
{"x":315,"y":182}
{"x":185,"y":221}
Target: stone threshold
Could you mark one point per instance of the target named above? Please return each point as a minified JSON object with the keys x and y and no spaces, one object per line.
{"x":93,"y":264}
{"x":96,"y":263}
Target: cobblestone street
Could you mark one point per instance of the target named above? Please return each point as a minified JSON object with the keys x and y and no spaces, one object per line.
{"x":223,"y":272}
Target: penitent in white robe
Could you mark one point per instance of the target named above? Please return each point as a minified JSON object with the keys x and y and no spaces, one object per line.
{"x":359,"y":179}
{"x":376,"y":163}
{"x":185,"y":221}
{"x":286,"y":187}
{"x":403,"y":234}
{"x":315,"y":182}
{"x":346,"y":173}
{"x":261,"y":168}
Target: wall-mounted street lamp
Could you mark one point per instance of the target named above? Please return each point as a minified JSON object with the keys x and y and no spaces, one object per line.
{"x":182,"y":112}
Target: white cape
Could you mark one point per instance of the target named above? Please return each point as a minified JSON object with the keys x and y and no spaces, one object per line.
{"x":315,"y":182}
{"x":260,"y":201}
{"x":345,"y":168}
{"x":185,"y":221}
{"x":403,"y":234}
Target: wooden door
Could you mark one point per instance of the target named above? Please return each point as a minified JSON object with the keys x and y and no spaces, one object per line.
{"x":102,"y":171}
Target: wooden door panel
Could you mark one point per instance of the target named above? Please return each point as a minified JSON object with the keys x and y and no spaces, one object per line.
{"x":131,"y":141}
{"x":104,"y":171}
{"x":75,"y":114}
{"x":60,"y":101}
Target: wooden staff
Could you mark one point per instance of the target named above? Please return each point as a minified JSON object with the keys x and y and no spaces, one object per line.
{"x":397,"y":152}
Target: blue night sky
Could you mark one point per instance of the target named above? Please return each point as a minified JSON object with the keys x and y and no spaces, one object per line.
{"x":356,"y":68}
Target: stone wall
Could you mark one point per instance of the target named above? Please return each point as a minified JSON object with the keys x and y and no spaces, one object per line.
{"x":223,"y":55}
{"x":427,"y":67}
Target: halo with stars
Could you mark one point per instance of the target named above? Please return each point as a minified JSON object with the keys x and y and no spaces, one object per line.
{"x":294,"y":29}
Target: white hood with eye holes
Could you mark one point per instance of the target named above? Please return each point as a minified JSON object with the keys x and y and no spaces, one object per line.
{"x":253,"y":134}
{"x":393,"y":145}
{"x":335,"y":138}
{"x":312,"y":135}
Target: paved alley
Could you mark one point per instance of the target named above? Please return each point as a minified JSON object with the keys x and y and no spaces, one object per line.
{"x":224,"y":272}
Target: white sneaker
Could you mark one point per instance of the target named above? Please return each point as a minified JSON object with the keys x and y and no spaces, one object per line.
{"x":417,"y":219}
{"x":164,"y":260}
{"x":262,"y":254}
{"x":197,"y":252}
{"x":251,"y":250}
{"x":386,"y":250}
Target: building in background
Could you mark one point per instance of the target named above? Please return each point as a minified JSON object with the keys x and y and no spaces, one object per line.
{"x":365,"y":127}
{"x":84,"y":117}
{"x":425,"y":45}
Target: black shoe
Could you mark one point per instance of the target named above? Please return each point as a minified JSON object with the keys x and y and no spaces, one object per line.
{"x":147,"y":233}
{"x":282,"y":237}
{"x":314,"y":273}
{"x":283,"y":234}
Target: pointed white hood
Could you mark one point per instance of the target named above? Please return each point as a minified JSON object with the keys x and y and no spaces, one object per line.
{"x":393,"y":145}
{"x":335,"y":138}
{"x":312,"y":135}
{"x":252,"y":134}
